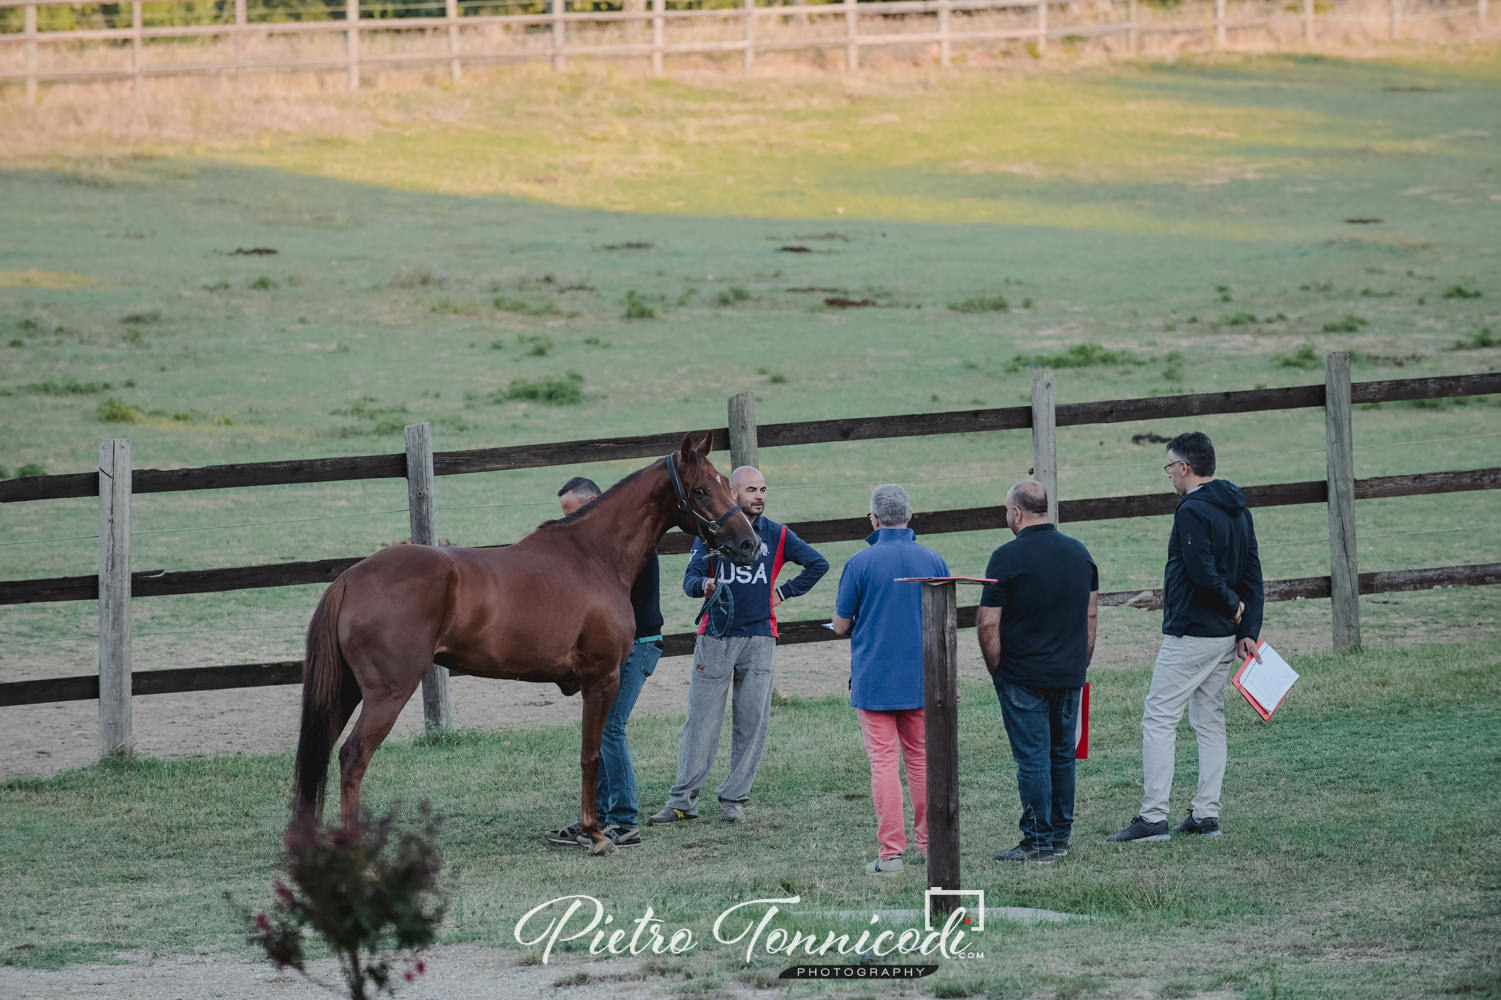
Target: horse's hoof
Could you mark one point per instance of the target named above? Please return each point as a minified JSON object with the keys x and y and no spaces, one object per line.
{"x":604,"y":845}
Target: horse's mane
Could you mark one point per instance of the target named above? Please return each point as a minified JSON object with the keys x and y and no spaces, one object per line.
{"x":588,"y":508}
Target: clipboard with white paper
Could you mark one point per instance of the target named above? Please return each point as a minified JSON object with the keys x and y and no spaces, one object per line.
{"x":1265,"y":683}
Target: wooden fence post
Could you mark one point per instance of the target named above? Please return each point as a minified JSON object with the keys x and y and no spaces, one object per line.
{"x":1045,"y":439}
{"x":750,"y":36}
{"x":135,"y":48}
{"x":658,"y":35}
{"x":352,"y":41}
{"x":114,"y":596}
{"x":1132,"y":34}
{"x":1042,"y":27}
{"x":437,"y":704}
{"x":559,"y":8}
{"x":743,"y":449}
{"x":1344,"y":577}
{"x":28,"y":28}
{"x":1308,"y":21}
{"x":1219,"y":24}
{"x":242,"y":19}
{"x":941,"y":736}
{"x":455,"y":70}
{"x":943,"y":33}
{"x":851,"y":35}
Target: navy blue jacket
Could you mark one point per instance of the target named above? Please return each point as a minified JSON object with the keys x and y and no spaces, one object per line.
{"x":1212,"y":565}
{"x":752,"y":585}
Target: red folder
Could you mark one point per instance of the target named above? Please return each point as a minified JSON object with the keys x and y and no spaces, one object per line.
{"x":1265,"y":711}
{"x":1081,"y":728}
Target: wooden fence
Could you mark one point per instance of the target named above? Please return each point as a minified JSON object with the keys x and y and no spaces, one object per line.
{"x":116,"y":585}
{"x":464,"y":36}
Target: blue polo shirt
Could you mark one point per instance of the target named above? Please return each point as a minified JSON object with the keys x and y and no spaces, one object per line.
{"x":886,"y":665}
{"x":1043,"y":580}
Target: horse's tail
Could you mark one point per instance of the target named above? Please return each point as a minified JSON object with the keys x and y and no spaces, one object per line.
{"x":328,"y":697}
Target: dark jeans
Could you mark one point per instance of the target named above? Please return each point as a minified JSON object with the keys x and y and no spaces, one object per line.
{"x":1040,"y":724}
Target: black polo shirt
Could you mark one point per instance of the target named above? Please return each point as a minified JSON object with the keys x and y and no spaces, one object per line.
{"x":1043,"y":582}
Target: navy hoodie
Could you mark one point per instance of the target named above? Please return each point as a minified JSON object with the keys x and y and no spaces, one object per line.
{"x":1212,"y":565}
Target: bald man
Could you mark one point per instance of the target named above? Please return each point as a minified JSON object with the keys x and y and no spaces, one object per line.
{"x":1036,"y":625}
{"x":736,"y":651}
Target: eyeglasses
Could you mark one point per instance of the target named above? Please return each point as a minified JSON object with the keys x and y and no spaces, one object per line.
{"x":1168,"y":468}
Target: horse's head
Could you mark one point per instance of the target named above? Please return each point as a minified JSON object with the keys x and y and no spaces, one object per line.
{"x":706,"y":506}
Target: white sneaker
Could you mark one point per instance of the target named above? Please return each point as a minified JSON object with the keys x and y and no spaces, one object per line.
{"x":882,"y":866}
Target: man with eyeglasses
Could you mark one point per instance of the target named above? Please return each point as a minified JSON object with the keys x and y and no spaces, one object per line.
{"x":1211,"y":617}
{"x":884,"y":621}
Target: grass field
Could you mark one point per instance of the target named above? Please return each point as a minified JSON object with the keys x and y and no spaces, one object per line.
{"x":1360,"y":858}
{"x":475,"y":257}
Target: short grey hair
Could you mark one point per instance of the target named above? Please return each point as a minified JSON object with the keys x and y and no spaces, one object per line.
{"x":890,"y":505}
{"x":581,"y":486}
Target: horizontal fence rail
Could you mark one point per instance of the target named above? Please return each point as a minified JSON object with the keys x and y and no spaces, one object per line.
{"x":246,"y":675}
{"x":447,"y":34}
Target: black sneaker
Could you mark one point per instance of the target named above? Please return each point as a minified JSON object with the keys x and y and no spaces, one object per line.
{"x":620,"y":836}
{"x":567,"y":836}
{"x":1021,"y":852}
{"x":1209,"y":827}
{"x":1141,"y":830}
{"x":1060,"y":850}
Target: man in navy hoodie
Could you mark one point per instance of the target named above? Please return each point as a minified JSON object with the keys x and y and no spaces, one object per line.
{"x":1211,"y":617}
{"x":736,"y":651}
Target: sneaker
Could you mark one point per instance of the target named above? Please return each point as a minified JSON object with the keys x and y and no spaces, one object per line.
{"x":670,"y":815}
{"x":1060,"y":850}
{"x":567,"y":836}
{"x":1141,"y":830}
{"x":734,"y":812}
{"x":884,"y":866}
{"x":620,"y":836}
{"x":1021,"y":852}
{"x":1209,"y":827}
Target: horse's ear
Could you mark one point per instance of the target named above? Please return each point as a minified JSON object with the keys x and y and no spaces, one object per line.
{"x":706,"y":444}
{"x":685,"y":450}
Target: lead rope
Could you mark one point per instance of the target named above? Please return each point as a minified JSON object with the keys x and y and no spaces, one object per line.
{"x":718,"y":611}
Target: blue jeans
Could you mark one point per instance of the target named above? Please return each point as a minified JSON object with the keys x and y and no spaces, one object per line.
{"x":615,"y":789}
{"x":1040,"y":724}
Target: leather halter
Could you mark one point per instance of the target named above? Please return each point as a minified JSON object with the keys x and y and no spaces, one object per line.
{"x":707,"y":529}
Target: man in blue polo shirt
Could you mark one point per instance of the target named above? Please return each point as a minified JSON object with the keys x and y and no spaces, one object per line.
{"x":1036,"y":626}
{"x":886,"y":667}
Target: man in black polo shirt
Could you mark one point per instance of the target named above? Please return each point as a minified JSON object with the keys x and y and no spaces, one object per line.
{"x":1037,"y":629}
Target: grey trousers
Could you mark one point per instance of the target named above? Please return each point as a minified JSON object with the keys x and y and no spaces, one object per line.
{"x":744,"y":663}
{"x":1191,"y":671}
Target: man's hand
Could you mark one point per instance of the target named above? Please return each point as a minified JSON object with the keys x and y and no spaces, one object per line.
{"x":1239,"y":611}
{"x":775,"y":597}
{"x":709,"y":584}
{"x":1246,"y":646}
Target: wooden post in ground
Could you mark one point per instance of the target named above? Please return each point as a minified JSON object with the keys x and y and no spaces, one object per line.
{"x":28,"y":30}
{"x":750,"y":36}
{"x":1042,"y":27}
{"x":743,"y":449}
{"x":437,"y":704}
{"x":943,"y":33}
{"x":114,"y":596}
{"x":1132,"y":34}
{"x":352,"y":41}
{"x":1045,"y":439}
{"x":559,"y":8}
{"x":455,"y":70}
{"x":941,"y":735}
{"x":1219,"y":24}
{"x":658,"y":35}
{"x":242,"y":19}
{"x":136,"y":41}
{"x":1344,"y":577}
{"x":851,"y":35}
{"x":1308,"y":21}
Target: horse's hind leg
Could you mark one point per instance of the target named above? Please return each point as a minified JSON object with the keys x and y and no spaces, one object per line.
{"x":377,"y":716}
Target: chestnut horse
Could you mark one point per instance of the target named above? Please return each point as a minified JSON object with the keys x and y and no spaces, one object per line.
{"x":554,"y":607}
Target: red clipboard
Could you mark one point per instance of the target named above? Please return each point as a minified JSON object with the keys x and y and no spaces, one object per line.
{"x":1081,"y":728}
{"x":1268,"y":654}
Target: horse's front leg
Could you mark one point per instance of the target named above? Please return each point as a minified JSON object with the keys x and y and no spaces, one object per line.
{"x":599,"y":696}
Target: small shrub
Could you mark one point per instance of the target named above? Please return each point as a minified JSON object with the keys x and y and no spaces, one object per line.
{"x":637,"y":307}
{"x":141,"y":318}
{"x":1349,"y":324}
{"x":218,"y":286}
{"x":448,"y":307}
{"x":497,"y":345}
{"x":524,"y":308}
{"x":1305,"y":356}
{"x":981,"y":304}
{"x":596,"y":342}
{"x":1172,"y":370}
{"x":1076,"y":356}
{"x":777,"y":378}
{"x":28,"y":324}
{"x":1026,"y":303}
{"x":134,"y":337}
{"x":263,"y":284}
{"x":115,"y":410}
{"x":66,"y":386}
{"x":417,"y":277}
{"x":1238,"y":319}
{"x":1461,"y":292}
{"x":31,"y":469}
{"x":1482,"y":337}
{"x":731,"y":296}
{"x":567,"y":390}
{"x":537,"y":345}
{"x":365,"y":891}
{"x":1223,"y":291}
{"x":687,"y":297}
{"x":17,"y":342}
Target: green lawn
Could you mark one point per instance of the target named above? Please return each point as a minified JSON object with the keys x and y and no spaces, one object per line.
{"x":1360,"y":856}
